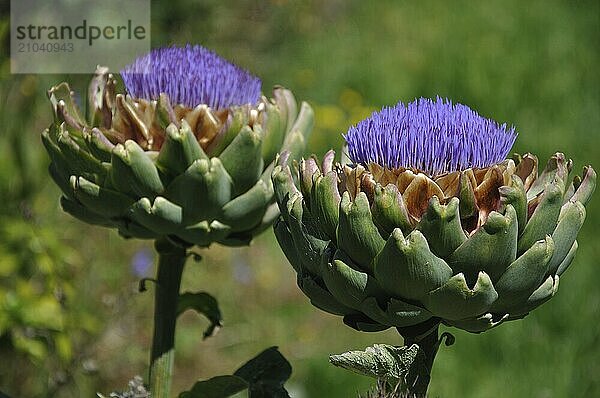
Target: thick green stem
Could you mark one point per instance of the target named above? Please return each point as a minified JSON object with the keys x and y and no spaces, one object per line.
{"x":429,"y":345}
{"x":168,"y":280}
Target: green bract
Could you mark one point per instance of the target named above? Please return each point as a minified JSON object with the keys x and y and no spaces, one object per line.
{"x":396,"y":248}
{"x":152,"y":169}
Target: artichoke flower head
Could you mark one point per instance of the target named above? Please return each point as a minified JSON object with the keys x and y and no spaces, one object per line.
{"x":185,"y":153}
{"x":428,"y":223}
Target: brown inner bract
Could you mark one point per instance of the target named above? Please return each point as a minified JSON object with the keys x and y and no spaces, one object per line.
{"x":477,"y":189}
{"x":124,"y":118}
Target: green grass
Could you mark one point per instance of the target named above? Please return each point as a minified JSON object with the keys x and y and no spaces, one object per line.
{"x":530,"y":64}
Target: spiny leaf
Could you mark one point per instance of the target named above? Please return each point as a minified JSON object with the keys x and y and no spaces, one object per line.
{"x":216,"y":387}
{"x":266,"y":374}
{"x":204,"y":304}
{"x":382,"y":361}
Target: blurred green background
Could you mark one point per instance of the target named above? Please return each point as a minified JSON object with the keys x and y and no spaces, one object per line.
{"x":71,"y":320}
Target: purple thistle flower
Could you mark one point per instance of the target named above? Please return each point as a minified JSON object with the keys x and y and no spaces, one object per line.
{"x":435,"y":137}
{"x":190,"y":75}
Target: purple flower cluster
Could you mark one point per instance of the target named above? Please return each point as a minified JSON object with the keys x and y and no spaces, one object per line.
{"x":435,"y":137}
{"x":190,"y":75}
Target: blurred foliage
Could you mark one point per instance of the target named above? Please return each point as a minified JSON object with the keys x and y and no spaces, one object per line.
{"x":43,"y":326}
{"x":532,"y":64}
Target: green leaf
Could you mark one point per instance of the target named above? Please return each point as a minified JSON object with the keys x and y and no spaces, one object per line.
{"x":480,"y":324}
{"x":274,"y":128}
{"x":205,"y":182}
{"x":523,"y":276}
{"x":285,"y":101}
{"x":570,"y":222}
{"x":204,"y":233}
{"x":349,"y":286}
{"x":283,"y":184}
{"x":568,"y":259}
{"x":544,"y":218}
{"x":545,"y":292}
{"x":100,"y":147}
{"x":382,"y":361}
{"x":131,"y":229}
{"x":246,"y":211}
{"x":2,"y":395}
{"x":398,"y":313}
{"x":179,"y":150}
{"x":515,"y":195}
{"x":294,"y":144}
{"x":243,"y":159}
{"x":204,"y":304}
{"x":216,"y":387}
{"x":407,"y":268}
{"x":83,"y":213}
{"x":100,"y":200}
{"x":60,"y":169}
{"x":267,"y":221}
{"x":491,"y":248}
{"x":305,"y":120}
{"x":76,"y":156}
{"x":236,"y":120}
{"x":363,"y":323}
{"x":441,"y":226}
{"x":389,"y":210}
{"x":586,"y":187}
{"x":133,"y":171}
{"x":456,"y":300}
{"x":161,"y":216}
{"x":556,"y":171}
{"x":286,"y":242}
{"x":310,"y":246}
{"x":62,"y":179}
{"x":266,"y":374}
{"x":325,"y":200}
{"x":321,"y":297}
{"x":356,"y":233}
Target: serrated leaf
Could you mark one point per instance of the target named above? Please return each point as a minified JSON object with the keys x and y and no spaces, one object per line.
{"x":266,"y":374}
{"x":204,"y":304}
{"x":216,"y":387}
{"x":382,"y":361}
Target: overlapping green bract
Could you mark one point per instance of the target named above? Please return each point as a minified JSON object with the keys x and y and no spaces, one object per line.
{"x":359,"y":253}
{"x":191,"y":193}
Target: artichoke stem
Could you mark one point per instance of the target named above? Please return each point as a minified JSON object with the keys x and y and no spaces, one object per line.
{"x":170,"y":267}
{"x":429,"y":345}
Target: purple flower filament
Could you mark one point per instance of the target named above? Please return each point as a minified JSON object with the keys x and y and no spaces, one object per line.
{"x":190,"y":75}
{"x":434,"y":137}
